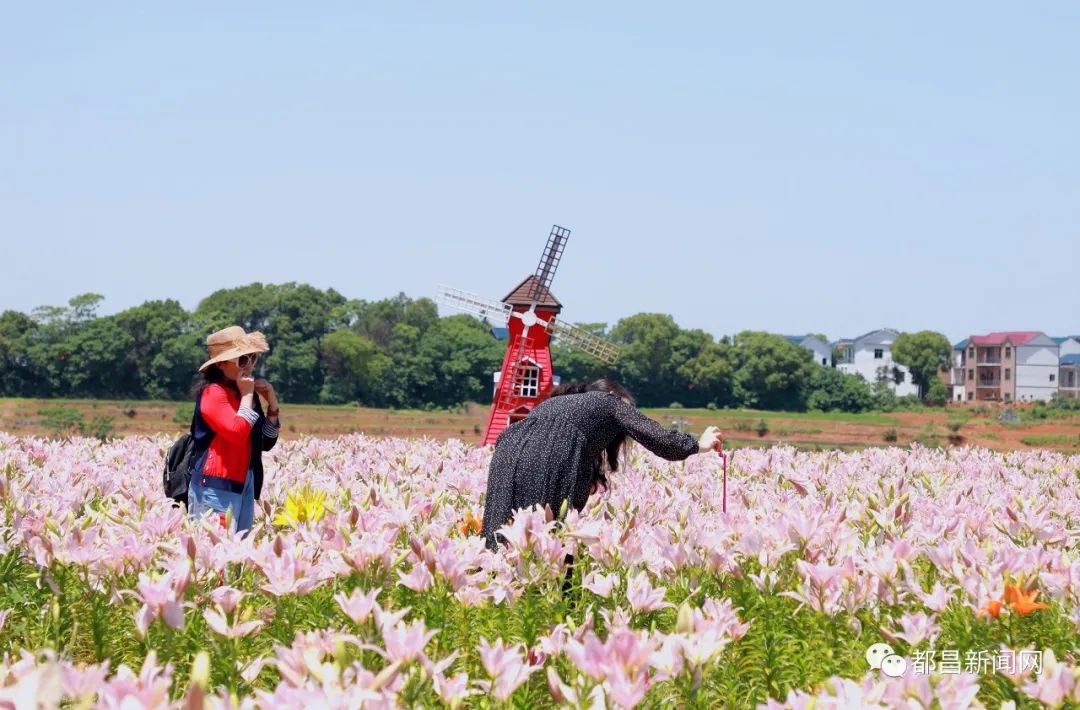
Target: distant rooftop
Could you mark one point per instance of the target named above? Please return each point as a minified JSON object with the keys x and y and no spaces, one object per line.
{"x":1016,"y":337}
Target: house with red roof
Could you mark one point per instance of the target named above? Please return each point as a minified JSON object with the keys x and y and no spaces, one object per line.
{"x":1008,"y":366}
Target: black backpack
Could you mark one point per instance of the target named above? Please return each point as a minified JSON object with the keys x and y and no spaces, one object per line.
{"x":181,"y":459}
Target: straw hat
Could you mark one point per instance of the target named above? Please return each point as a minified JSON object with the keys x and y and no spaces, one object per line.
{"x":231,"y":343}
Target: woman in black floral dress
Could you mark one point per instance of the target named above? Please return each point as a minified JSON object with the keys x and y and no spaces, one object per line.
{"x":559,"y":451}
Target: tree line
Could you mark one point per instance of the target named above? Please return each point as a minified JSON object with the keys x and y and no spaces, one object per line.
{"x":398,"y":352}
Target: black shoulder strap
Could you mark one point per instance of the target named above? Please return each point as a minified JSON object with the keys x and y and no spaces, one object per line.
{"x":196,"y":416}
{"x":195,"y":413}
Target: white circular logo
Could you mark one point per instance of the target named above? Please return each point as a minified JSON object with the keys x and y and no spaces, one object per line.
{"x":877,"y":653}
{"x":894,"y":666}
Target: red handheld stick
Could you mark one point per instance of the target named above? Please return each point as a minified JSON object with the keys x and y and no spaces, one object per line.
{"x":723,"y":457}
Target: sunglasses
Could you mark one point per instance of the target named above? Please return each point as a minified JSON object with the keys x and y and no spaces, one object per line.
{"x":243,"y":360}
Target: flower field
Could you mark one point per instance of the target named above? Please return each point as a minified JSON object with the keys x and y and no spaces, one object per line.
{"x":363,"y":583}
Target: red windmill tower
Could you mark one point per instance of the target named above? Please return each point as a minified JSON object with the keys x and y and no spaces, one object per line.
{"x":529,"y":312}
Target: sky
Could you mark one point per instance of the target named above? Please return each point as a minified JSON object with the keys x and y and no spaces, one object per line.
{"x":790,"y":167}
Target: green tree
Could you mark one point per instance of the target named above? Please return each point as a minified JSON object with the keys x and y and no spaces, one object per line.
{"x":76,"y":354}
{"x":353,"y":366}
{"x":937,"y":393}
{"x":453,"y":364}
{"x":174,"y":369}
{"x":573,"y":365}
{"x":770,"y":372}
{"x":924,"y":353}
{"x":18,"y":377}
{"x":90,"y":356}
{"x":150,"y":367}
{"x":251,"y":307}
{"x":709,"y":374}
{"x":645,"y":357}
{"x":883,"y":395}
{"x":828,"y":389}
{"x":701,"y":369}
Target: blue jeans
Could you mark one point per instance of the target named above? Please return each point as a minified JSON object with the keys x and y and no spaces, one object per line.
{"x":203,"y":499}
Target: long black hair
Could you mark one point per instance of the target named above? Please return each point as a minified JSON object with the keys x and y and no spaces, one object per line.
{"x":212,"y":376}
{"x":611,"y":452}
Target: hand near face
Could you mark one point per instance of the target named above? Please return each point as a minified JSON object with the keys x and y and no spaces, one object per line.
{"x":264,"y":388}
{"x":246,"y":384}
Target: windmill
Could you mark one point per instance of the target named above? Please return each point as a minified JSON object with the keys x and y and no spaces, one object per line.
{"x":529,"y":313}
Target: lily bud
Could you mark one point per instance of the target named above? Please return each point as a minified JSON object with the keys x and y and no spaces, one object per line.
{"x":341,"y":652}
{"x":555,"y":685}
{"x":200,"y":670}
{"x":685,"y":622}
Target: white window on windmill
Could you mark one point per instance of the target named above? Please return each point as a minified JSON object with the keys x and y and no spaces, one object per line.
{"x":527,"y":379}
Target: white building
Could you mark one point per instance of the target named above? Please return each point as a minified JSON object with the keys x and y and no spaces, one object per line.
{"x":1069,"y":345}
{"x":1036,"y":369}
{"x":820,"y":349}
{"x":955,"y":381}
{"x":870,"y":355}
{"x":1069,"y":366}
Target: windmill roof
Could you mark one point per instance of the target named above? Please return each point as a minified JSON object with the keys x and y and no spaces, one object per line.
{"x":1016,"y":337}
{"x":520,"y":296}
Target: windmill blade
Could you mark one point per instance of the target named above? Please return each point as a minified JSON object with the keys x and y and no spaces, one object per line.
{"x":583,"y":340}
{"x":549,"y":261}
{"x":494,"y":311}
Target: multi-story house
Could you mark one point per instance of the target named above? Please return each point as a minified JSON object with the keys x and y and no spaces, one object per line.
{"x":820,"y":349}
{"x":1010,"y":366}
{"x":1069,"y":365}
{"x":954,"y":378}
{"x":870,"y":355}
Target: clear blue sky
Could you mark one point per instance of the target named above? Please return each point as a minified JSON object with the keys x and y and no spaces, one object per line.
{"x":831,"y":167}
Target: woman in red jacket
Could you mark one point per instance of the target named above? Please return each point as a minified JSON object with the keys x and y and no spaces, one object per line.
{"x":231,"y":430}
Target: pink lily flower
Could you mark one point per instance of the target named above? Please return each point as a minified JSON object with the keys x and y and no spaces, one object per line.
{"x":505,"y":666}
{"x":600,"y":585}
{"x":406,"y":642}
{"x":917,"y":628}
{"x":219,"y":623}
{"x":357,"y":606}
{"x":643,"y":597}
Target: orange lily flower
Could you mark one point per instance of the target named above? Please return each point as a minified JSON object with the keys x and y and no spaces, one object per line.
{"x":1024,"y":603}
{"x":993,"y":608}
{"x":471,"y":524}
